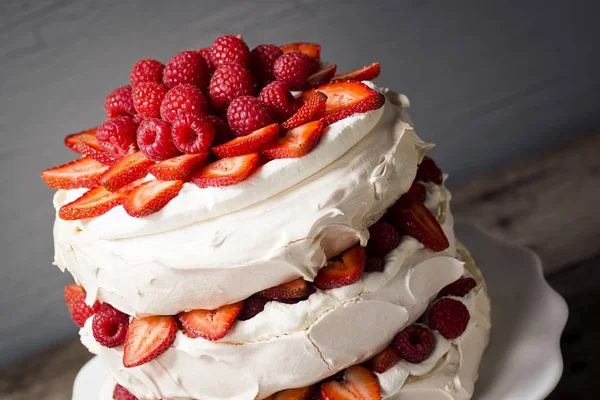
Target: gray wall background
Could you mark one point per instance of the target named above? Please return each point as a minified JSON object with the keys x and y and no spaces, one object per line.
{"x":490,"y":81}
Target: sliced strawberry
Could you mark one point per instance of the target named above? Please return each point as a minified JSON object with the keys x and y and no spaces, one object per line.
{"x":417,"y":221}
{"x":72,"y":139}
{"x":296,"y":143}
{"x":82,"y":173}
{"x":359,"y":384}
{"x":342,"y":273}
{"x":150,"y":197}
{"x":367,"y":73}
{"x":147,"y":338}
{"x":384,"y":360}
{"x":94,"y":203}
{"x":346,"y":98}
{"x":312,"y":50}
{"x":79,"y":310}
{"x":321,"y":77}
{"x":89,"y":146}
{"x":291,"y":290}
{"x":126,"y":170}
{"x":178,"y":168}
{"x":304,"y":393}
{"x":251,"y":143}
{"x":211,"y":325}
{"x":313,"y":105}
{"x":227,"y":171}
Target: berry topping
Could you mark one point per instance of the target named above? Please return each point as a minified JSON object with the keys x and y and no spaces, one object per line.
{"x":147,"y":338}
{"x":417,"y":192}
{"x":417,"y":221}
{"x":449,"y":317}
{"x":229,"y":49}
{"x":211,"y":325}
{"x":125,"y":171}
{"x":374,"y":264}
{"x":82,"y":173}
{"x":178,"y":168}
{"x":304,"y":393}
{"x":428,"y":171}
{"x":359,"y":384}
{"x":72,"y":139}
{"x":222,"y":131}
{"x":88,"y":145}
{"x":459,"y":288}
{"x":150,"y":197}
{"x":120,"y":393}
{"x":295,"y":289}
{"x":313,"y":105}
{"x":321,"y":77}
{"x":147,"y":70}
{"x":154,"y":139}
{"x":118,"y":103}
{"x":342,"y":272}
{"x":183,"y":101}
{"x":383,"y":238}
{"x":117,"y":136}
{"x":312,"y":50}
{"x":228,"y":82}
{"x":93,"y":203}
{"x":246,"y":114}
{"x":414,"y":343}
{"x":251,"y":143}
{"x":279,"y":100}
{"x":210,"y":66}
{"x":186,"y":67}
{"x":192,"y":134}
{"x":147,"y":98}
{"x":292,"y":69}
{"x":384,"y":360}
{"x":262,"y":60}
{"x":79,"y":310}
{"x":367,"y":73}
{"x":227,"y":171}
{"x":296,"y":143}
{"x":253,"y":306}
{"x":109,"y":326}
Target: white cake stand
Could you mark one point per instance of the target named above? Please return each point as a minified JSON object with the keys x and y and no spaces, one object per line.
{"x":523,"y":360}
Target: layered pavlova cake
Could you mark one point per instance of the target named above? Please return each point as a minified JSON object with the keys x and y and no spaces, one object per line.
{"x":250,"y":225}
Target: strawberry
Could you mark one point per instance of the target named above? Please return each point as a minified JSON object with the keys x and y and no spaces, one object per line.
{"x":417,"y":221}
{"x":304,"y":393}
{"x":227,"y":171}
{"x":147,"y":338}
{"x":359,"y":384}
{"x":291,"y":290}
{"x":211,"y":325}
{"x":126,"y":170}
{"x":79,"y":310}
{"x":251,"y":143}
{"x":88,"y":145}
{"x":94,"y":203}
{"x":385,"y":360}
{"x":312,"y":50}
{"x":296,"y":143}
{"x":321,"y":77}
{"x":72,"y":139}
{"x":342,"y":273}
{"x":177,"y":168}
{"x":82,"y":173}
{"x":150,"y":197}
{"x":367,"y":73}
{"x":346,"y":98}
{"x":313,"y":105}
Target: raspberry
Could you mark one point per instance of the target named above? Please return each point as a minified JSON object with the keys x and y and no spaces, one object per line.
{"x":79,"y":310}
{"x":117,"y":136}
{"x":374,"y":264}
{"x":383,"y":239}
{"x":209,"y":64}
{"x":147,"y":98}
{"x":292,"y":69}
{"x":459,"y":288}
{"x":253,"y":306}
{"x":449,"y":317}
{"x":192,"y":134}
{"x":146,"y":71}
{"x":262,"y":60}
{"x":120,"y":393}
{"x":229,"y":49}
{"x":223,"y":133}
{"x":247,"y":114}
{"x":279,"y":101}
{"x":186,"y":67}
{"x":119,"y":103}
{"x":414,"y":343}
{"x":109,"y":326}
{"x":428,"y":171}
{"x":154,"y":139}
{"x":182,"y":101}
{"x":228,"y":82}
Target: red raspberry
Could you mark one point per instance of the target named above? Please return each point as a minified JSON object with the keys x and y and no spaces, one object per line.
{"x":229,"y":49}
{"x":383,"y":239}
{"x":109,"y":326}
{"x":247,"y":114}
{"x":119,"y":103}
{"x":154,"y":139}
{"x":262,"y":60}
{"x":253,"y":306}
{"x":79,"y":310}
{"x":292,"y":69}
{"x":228,"y":82}
{"x":146,"y":71}
{"x":459,"y":288}
{"x":209,"y":64}
{"x":192,"y":134}
{"x":222,"y":131}
{"x":120,"y":393}
{"x":147,"y":98}
{"x":186,"y":67}
{"x":374,"y":264}
{"x":279,"y":101}
{"x":449,"y":317}
{"x":414,"y":343}
{"x":117,"y":136}
{"x":182,"y":101}
{"x":428,"y":171}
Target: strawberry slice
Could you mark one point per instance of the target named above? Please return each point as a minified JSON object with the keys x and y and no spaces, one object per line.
{"x":313,"y":105}
{"x":94,"y":203}
{"x":211,"y":325}
{"x":291,"y":290}
{"x":342,"y":273}
{"x":251,"y":143}
{"x":321,"y":77}
{"x":88,"y":145}
{"x":82,"y":173}
{"x":359,"y":384}
{"x":304,"y":393}
{"x":79,"y":310}
{"x":147,"y":338}
{"x":150,"y":197}
{"x":126,"y":170}
{"x":312,"y":50}
{"x":417,"y":221}
{"x":346,"y":98}
{"x":227,"y":171}
{"x":72,"y":139}
{"x":178,"y":168}
{"x":367,"y":73}
{"x":296,"y":143}
{"x":384,"y":360}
